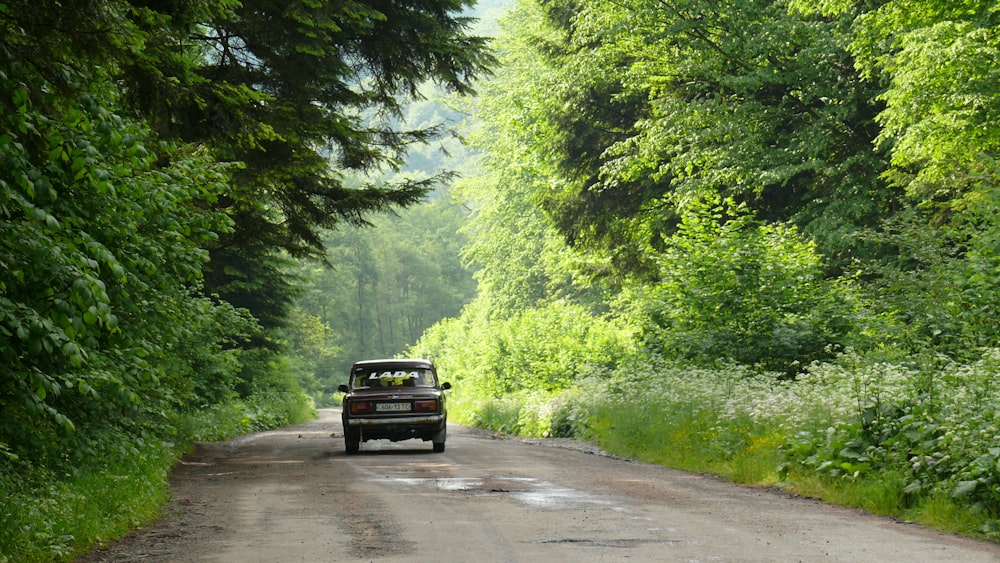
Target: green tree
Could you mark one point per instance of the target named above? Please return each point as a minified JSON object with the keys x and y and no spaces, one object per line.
{"x":548,"y":116}
{"x":129,"y":252}
{"x":519,"y":252}
{"x":938,"y":62}
{"x":643,"y":107}
{"x":313,"y":350}
{"x":101,"y":248}
{"x":388,"y":284}
{"x":749,"y":293}
{"x":299,"y":93}
{"x":544,"y":349}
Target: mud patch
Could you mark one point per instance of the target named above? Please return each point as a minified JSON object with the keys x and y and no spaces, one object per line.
{"x":371,"y":533}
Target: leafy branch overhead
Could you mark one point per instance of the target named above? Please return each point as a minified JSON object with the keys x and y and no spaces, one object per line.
{"x":301,"y":94}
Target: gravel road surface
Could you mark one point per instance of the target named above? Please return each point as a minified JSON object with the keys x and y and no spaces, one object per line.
{"x":294,"y":495}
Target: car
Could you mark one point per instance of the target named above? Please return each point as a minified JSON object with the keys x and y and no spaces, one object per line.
{"x":397,"y":399}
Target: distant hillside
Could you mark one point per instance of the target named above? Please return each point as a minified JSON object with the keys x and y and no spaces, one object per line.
{"x":440,"y":110}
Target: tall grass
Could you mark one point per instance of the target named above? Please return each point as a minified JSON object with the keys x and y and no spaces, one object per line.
{"x":525,"y":413}
{"x":696,"y":420}
{"x":48,"y":516}
{"x":233,"y":418}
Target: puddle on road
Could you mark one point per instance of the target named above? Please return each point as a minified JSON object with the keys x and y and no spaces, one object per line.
{"x":625,"y":543}
{"x":550,"y":496}
{"x":532,"y":492}
{"x":456,"y":484}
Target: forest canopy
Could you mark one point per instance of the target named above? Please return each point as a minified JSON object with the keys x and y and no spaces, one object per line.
{"x":635,"y":129}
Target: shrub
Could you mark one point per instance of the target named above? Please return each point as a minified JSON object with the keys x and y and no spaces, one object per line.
{"x":935,"y":427}
{"x":747,"y":293}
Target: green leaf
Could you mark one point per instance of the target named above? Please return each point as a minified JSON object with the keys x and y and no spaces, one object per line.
{"x":964,"y":488}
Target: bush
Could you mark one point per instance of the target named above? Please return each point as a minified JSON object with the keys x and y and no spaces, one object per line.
{"x":935,"y":427}
{"x":746,"y":293}
{"x":546,"y":350}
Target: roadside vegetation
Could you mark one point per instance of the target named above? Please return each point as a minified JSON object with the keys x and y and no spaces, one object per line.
{"x":916,"y":442}
{"x":773,"y":260}
{"x":166,"y":169}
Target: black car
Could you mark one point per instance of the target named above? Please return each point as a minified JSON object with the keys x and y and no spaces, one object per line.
{"x":394,"y":400}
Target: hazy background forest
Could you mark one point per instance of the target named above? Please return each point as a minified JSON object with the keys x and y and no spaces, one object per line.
{"x":757,"y":238}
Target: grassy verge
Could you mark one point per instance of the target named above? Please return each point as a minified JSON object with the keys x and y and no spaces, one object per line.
{"x":911,"y":444}
{"x":56,"y":514}
{"x":47,"y":516}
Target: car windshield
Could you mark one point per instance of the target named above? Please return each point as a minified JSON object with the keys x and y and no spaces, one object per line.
{"x":391,"y":376}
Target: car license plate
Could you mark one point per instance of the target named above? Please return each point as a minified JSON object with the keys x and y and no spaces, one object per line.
{"x":392,"y":407}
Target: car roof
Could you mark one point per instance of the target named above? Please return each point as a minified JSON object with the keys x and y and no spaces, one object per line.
{"x":415,"y":362}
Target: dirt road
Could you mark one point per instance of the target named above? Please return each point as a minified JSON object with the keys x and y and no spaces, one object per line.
{"x":293,"y":495}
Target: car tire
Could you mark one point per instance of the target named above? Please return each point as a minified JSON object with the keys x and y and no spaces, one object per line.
{"x":438,"y":440}
{"x":352,"y":442}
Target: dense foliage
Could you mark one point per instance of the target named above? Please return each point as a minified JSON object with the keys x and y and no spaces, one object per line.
{"x":780,"y":216}
{"x":745,"y":292}
{"x":162,"y":163}
{"x":304,"y":96}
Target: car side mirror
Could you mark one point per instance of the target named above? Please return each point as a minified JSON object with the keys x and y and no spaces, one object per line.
{"x":342,"y":388}
{"x":446,"y":386}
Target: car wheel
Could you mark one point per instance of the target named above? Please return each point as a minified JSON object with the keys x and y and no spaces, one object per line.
{"x":438,"y":440}
{"x":352,"y":442}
